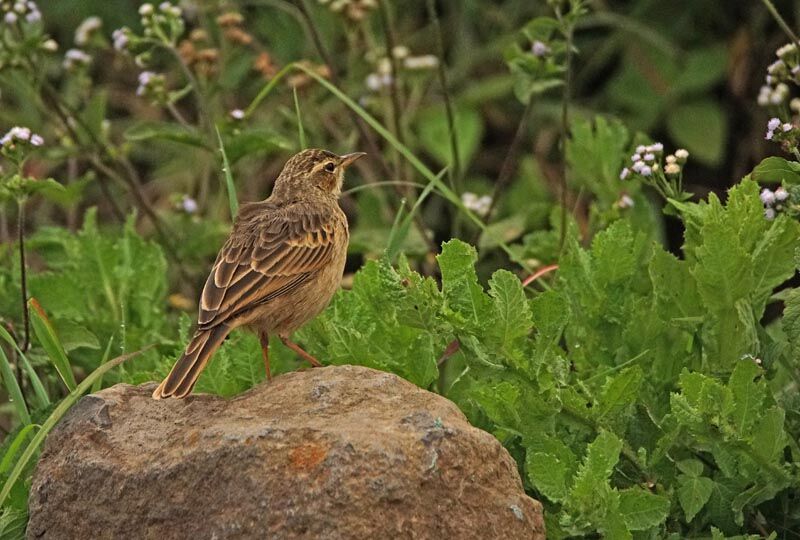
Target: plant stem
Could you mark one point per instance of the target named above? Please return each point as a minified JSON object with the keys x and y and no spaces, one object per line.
{"x":781,"y":21}
{"x":568,"y":34}
{"x":23,"y":277}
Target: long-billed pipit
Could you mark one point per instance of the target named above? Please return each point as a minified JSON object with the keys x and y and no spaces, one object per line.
{"x":279,"y":268}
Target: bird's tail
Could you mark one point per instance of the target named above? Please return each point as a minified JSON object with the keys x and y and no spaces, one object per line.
{"x":186,"y":370}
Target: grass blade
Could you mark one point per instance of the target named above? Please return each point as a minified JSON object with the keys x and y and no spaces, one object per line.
{"x":48,"y":338}
{"x":99,"y":382}
{"x":301,"y":134}
{"x":43,"y":400}
{"x":55,"y":416}
{"x":13,"y":389}
{"x":14,"y":447}
{"x":226,"y":168}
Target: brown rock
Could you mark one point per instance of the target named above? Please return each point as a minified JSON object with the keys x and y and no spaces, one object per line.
{"x":333,"y":453}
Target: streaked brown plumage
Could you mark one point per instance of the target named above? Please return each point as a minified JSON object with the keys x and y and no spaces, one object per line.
{"x":279,"y":268}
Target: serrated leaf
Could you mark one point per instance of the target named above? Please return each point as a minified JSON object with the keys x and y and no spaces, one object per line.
{"x":463,"y":295}
{"x":601,"y":456}
{"x":693,"y":494}
{"x":723,"y":269}
{"x":641,"y":509}
{"x":512,"y":314}
{"x":769,"y":436}
{"x":748,"y":395}
{"x":619,"y":393}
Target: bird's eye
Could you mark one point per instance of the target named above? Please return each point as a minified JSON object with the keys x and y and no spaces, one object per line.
{"x":330,"y":167}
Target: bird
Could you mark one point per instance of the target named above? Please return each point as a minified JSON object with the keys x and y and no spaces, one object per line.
{"x":279,"y":268}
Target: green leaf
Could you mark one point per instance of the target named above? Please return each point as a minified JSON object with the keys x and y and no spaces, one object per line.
{"x":748,"y":395}
{"x":463,"y":295}
{"x":13,"y":523}
{"x":641,"y":509}
{"x":601,"y":456}
{"x":769,"y":437}
{"x":167,"y":131}
{"x":434,"y":134}
{"x":692,"y":468}
{"x":723,"y":269}
{"x":619,"y":393}
{"x":693,"y":494}
{"x":700,"y":126}
{"x":703,"y":68}
{"x":48,"y":339}
{"x":774,"y":170}
{"x":512,"y":314}
{"x":548,"y":474}
{"x":13,"y":389}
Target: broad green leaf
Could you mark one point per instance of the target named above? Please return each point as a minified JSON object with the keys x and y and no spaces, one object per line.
{"x":548,"y":474}
{"x":619,"y":393}
{"x":769,"y":437}
{"x":463,"y":295}
{"x":703,"y":68}
{"x":723,"y":269}
{"x":748,"y":395}
{"x":692,"y":468}
{"x":693,"y":494}
{"x":641,"y":509}
{"x":776,"y":169}
{"x":700,"y":126}
{"x":601,"y":456}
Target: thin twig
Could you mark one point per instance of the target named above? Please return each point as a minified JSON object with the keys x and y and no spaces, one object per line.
{"x":455,"y":171}
{"x":504,"y":177}
{"x":781,"y":21}
{"x":374,"y":149}
{"x":23,"y":277}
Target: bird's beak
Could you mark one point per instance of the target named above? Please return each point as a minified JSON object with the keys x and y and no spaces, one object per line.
{"x":349,"y":159}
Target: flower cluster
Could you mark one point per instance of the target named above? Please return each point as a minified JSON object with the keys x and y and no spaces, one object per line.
{"x":14,"y":12}
{"x":355,"y":10}
{"x":232,"y":24}
{"x":480,"y":205}
{"x":664,"y":173}
{"x":152,"y":85}
{"x":20,"y":135}
{"x":782,"y":72}
{"x":163,"y":23}
{"x":121,"y":38}
{"x":382,"y":76}
{"x":773,"y":201}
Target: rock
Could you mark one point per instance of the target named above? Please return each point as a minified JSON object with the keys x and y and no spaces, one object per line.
{"x":334,"y":453}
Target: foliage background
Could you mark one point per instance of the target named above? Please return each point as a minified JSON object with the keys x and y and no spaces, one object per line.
{"x":646,"y":389}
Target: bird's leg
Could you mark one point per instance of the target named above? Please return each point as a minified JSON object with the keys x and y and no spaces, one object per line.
{"x":296,"y":348}
{"x":264,"y":338}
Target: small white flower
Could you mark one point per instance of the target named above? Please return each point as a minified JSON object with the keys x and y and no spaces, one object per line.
{"x":649,"y":157}
{"x":786,"y":127}
{"x":189,"y":205}
{"x":657,"y":148}
{"x":34,"y":16}
{"x":624,"y":173}
{"x":625,"y":201}
{"x":164,"y":6}
{"x":427,"y":61}
{"x":641,"y":149}
{"x":794,"y":105}
{"x":635,"y":158}
{"x":656,"y":167}
{"x":50,"y":45}
{"x":384,"y":66}
{"x":681,"y":155}
{"x":84,"y":32}
{"x":638,"y":166}
{"x":373,"y":82}
{"x":769,"y":214}
{"x":10,"y":17}
{"x":781,"y":194}
{"x":145,"y":10}
{"x":20,"y":8}
{"x":120,"y":37}
{"x":767,"y":197}
{"x":400,"y":52}
{"x":237,"y":114}
{"x":646,"y":171}
{"x":37,"y":140}
{"x":670,"y":159}
{"x":777,"y":67}
{"x":765,"y":95}
{"x":786,"y":50}
{"x":773,"y":124}
{"x":672,"y":169}
{"x":540,"y":49}
{"x":76,"y":57}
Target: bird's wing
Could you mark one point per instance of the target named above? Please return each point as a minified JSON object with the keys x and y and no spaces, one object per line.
{"x":269,"y":258}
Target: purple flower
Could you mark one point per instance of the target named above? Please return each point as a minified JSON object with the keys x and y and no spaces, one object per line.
{"x":10,"y":17}
{"x":638,"y":166}
{"x":625,"y":173}
{"x":189,"y":205}
{"x":646,"y":171}
{"x":767,"y":197}
{"x":37,"y":140}
{"x":636,"y":157}
{"x":657,"y":148}
{"x":540,"y":49}
{"x":649,"y":157}
{"x":773,"y":124}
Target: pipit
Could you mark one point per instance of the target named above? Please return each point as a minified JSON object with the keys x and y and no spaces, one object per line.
{"x":279,"y":268}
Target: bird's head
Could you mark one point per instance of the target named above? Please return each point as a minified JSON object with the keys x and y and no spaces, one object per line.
{"x":313,"y":171}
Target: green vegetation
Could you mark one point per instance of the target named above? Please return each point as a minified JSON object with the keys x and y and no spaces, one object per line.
{"x":626,"y":325}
